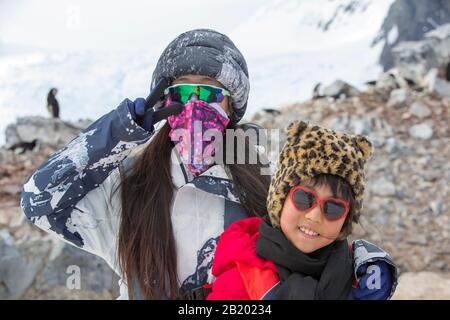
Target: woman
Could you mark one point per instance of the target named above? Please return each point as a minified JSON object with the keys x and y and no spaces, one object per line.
{"x":152,"y":213}
{"x":90,"y":191}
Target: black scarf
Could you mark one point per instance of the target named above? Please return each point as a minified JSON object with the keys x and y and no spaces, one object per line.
{"x":325,"y":274}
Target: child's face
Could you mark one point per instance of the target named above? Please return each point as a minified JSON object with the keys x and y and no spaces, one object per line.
{"x":204,"y":80}
{"x":293,"y":220}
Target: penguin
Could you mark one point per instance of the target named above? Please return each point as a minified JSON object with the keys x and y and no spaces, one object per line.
{"x":316,"y":91}
{"x":270,"y":111}
{"x":52,"y":103}
{"x":447,"y":75}
{"x":23,"y":146}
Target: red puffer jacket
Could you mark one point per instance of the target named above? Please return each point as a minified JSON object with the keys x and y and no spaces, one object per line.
{"x":240,"y":273}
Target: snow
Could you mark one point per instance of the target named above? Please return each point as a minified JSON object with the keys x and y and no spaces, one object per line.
{"x":392,"y":35}
{"x":285,"y":26}
{"x":290,"y":45}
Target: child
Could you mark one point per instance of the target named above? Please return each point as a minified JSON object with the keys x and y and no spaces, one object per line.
{"x":300,"y":251}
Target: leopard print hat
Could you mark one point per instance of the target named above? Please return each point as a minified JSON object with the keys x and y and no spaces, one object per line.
{"x":313,"y":150}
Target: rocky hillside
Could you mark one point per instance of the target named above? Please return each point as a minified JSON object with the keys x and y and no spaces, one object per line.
{"x":407,"y":202}
{"x":33,"y":264}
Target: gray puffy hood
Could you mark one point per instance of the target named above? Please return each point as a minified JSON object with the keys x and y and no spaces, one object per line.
{"x":209,"y":53}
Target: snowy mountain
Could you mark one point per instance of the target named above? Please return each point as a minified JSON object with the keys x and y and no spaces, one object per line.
{"x":293,"y":26}
{"x":290,"y":45}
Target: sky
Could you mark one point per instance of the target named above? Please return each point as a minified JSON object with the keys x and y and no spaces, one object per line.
{"x":114,"y":25}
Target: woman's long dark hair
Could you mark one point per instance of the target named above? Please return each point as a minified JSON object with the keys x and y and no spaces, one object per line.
{"x":147,"y":249}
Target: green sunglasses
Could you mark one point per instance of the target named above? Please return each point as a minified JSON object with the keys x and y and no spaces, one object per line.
{"x":183,"y":92}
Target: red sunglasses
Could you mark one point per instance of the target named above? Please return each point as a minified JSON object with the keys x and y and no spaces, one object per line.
{"x":304,"y":198}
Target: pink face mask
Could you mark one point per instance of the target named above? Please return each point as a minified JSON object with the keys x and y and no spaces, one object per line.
{"x":188,"y":130}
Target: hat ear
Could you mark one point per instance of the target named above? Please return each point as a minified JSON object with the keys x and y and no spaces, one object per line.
{"x":364,"y":145}
{"x":296,"y":128}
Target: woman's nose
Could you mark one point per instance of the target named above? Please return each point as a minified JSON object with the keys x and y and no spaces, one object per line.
{"x":314,"y":214}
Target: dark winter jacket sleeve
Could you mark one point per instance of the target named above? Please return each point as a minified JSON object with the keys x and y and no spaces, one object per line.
{"x":67,"y":194}
{"x":366,"y":253}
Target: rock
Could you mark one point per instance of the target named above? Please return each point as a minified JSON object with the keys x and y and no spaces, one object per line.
{"x":436,"y":207}
{"x":11,"y":215}
{"x":338,"y":88}
{"x":392,"y":145}
{"x":95,"y":274}
{"x":409,"y":21}
{"x":440,"y":265}
{"x":415,"y":58}
{"x":62,"y":293}
{"x":420,"y":110}
{"x":436,"y":85}
{"x":340,"y":122}
{"x":373,"y":126}
{"x":11,"y":189}
{"x":19,"y":266}
{"x":6,"y":156}
{"x":391,"y":80}
{"x":386,"y":82}
{"x":446,"y":102}
{"x":398,"y":98}
{"x":360,"y":126}
{"x":420,"y":259}
{"x":440,"y":37}
{"x":383,"y":187}
{"x":267,"y":114}
{"x":6,"y":238}
{"x":50,"y":131}
{"x":421,"y":131}
{"x":423,"y":286}
{"x":419,"y":239}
